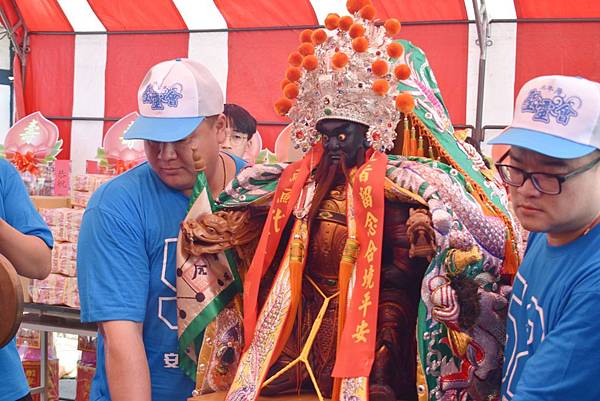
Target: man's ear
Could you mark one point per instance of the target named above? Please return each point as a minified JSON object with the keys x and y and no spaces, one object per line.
{"x":220,"y":128}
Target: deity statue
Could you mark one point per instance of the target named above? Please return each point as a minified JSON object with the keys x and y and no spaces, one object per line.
{"x":369,"y":271}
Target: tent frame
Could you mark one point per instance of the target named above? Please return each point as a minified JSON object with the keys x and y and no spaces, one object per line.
{"x":483,"y":24}
{"x":20,"y":49}
{"x":483,"y":41}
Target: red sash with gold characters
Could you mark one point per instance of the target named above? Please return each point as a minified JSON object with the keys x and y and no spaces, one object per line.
{"x":287,"y":193}
{"x":360,"y":326}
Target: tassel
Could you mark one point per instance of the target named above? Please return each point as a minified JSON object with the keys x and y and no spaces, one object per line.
{"x":431,"y":154}
{"x":296,"y":264}
{"x":347,"y":262}
{"x":511,"y":262}
{"x":420,"y":147}
{"x":406,"y":138}
{"x":413,"y":141}
{"x":349,"y":256}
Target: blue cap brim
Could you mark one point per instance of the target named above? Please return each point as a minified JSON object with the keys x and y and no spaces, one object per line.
{"x":162,"y":129}
{"x":540,"y":142}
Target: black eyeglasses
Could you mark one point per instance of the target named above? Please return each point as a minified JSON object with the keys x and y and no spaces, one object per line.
{"x":549,"y":184}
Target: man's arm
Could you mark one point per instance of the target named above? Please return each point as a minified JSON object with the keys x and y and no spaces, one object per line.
{"x":29,"y":254}
{"x":126,"y":364}
{"x":113,"y":279}
{"x":25,"y":239}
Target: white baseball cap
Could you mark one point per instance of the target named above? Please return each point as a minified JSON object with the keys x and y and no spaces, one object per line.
{"x":557,"y":116}
{"x":173,"y":99}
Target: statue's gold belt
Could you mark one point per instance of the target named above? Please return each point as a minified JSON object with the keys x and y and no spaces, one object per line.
{"x":331,"y":216}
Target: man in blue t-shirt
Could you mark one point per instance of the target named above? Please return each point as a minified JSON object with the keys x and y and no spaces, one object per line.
{"x":553,"y":327}
{"x":128,"y":238}
{"x":26,"y":242}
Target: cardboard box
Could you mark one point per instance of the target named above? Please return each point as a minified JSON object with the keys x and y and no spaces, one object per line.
{"x":50,"y":202}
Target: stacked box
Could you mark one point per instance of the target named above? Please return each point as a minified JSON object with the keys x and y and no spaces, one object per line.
{"x":64,"y":259}
{"x":56,"y":289}
{"x":60,"y":287}
{"x":80,"y":199}
{"x":89,"y":182}
{"x":63,"y":222}
{"x":84,"y":185}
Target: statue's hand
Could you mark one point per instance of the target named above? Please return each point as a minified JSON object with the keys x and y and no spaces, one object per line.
{"x":446,"y":308}
{"x":421,"y":236}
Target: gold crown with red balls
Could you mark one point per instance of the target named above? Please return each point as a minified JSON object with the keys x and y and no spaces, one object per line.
{"x":350,"y":74}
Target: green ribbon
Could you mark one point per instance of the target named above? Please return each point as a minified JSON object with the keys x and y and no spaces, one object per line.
{"x":194,"y":333}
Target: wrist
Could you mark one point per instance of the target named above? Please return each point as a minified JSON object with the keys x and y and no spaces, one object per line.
{"x":5,"y":231}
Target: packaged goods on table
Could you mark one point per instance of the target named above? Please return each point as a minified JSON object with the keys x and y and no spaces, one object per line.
{"x":89,"y":182}
{"x":64,"y":258}
{"x":80,"y":199}
{"x":65,"y":267}
{"x":56,"y":289}
{"x":63,"y":222}
{"x":84,"y":185}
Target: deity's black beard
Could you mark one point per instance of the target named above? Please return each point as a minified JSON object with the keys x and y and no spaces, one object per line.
{"x":329,"y":172}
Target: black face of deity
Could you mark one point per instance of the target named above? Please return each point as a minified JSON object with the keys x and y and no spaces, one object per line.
{"x":343,"y":140}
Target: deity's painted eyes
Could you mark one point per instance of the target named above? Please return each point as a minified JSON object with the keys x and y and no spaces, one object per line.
{"x":341,"y":137}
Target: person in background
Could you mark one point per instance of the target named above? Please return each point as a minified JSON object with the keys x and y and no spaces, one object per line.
{"x":241,"y":126}
{"x":26,"y":242}
{"x":553,"y":334}
{"x":126,"y":251}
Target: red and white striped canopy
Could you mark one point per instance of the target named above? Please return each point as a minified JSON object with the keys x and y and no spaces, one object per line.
{"x":87,"y":58}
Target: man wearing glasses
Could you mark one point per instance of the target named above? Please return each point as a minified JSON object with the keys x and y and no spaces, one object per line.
{"x":553,"y":330}
{"x":240,"y":128}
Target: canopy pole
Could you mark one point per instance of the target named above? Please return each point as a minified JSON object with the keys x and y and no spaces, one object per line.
{"x":483,"y":41}
{"x":22,"y":49}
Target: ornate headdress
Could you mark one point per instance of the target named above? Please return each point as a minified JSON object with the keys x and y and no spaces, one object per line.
{"x":352,"y":74}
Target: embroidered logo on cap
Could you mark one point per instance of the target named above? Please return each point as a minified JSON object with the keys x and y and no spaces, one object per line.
{"x":558,"y":106}
{"x":168,"y":95}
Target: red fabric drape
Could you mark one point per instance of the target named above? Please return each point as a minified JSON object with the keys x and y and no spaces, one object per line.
{"x":134,"y":15}
{"x":266,"y":13}
{"x":257,"y":59}
{"x":566,"y":48}
{"x":43,"y":16}
{"x":557,"y":8}
{"x":49,"y":81}
{"x":128,"y":59}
